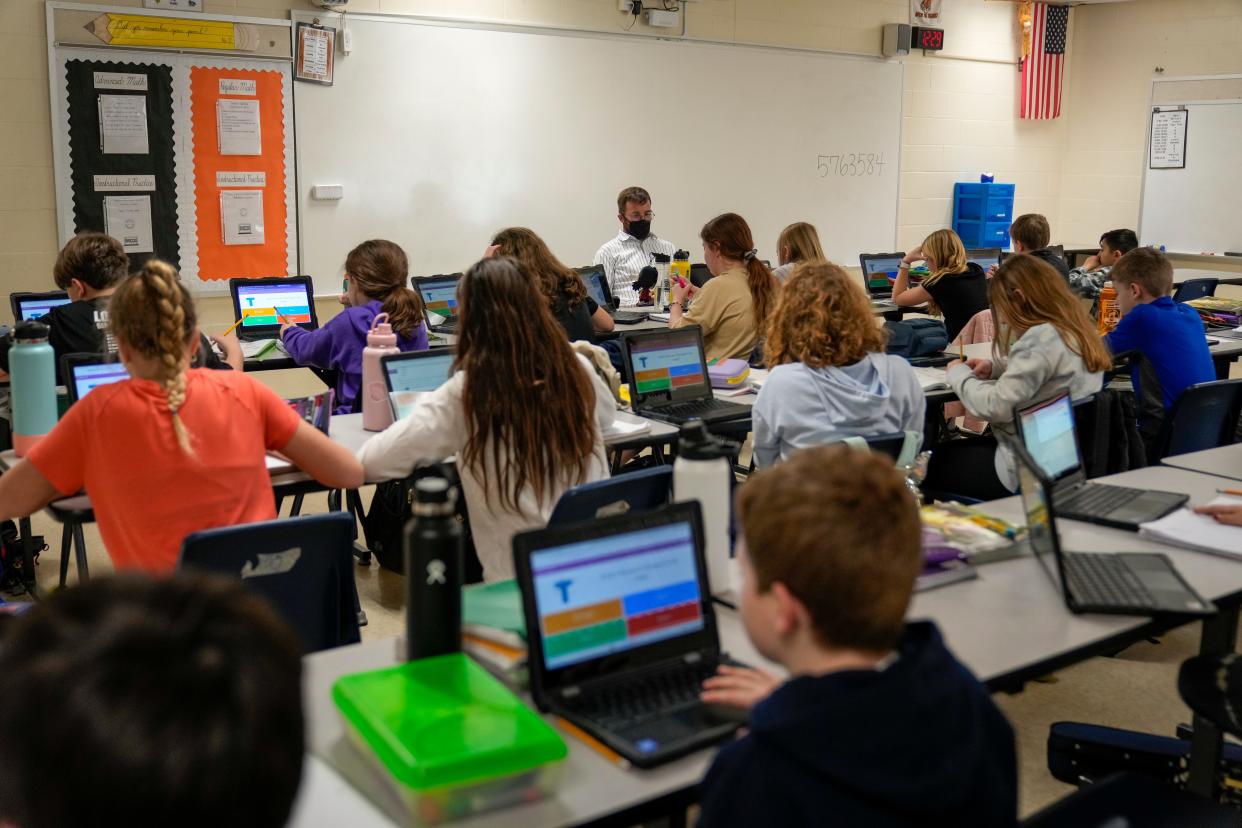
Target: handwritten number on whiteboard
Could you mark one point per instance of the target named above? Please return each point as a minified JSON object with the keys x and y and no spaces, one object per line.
{"x":850,"y":165}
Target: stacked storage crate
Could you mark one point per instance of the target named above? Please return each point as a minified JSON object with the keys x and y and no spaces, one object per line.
{"x":982,"y":214}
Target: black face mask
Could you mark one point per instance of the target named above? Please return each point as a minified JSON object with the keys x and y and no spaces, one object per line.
{"x":639,"y":229}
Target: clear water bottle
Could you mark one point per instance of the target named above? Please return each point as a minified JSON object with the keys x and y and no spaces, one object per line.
{"x":32,"y":376}
{"x":433,"y":572}
{"x":376,"y":409}
{"x":662,"y":265}
{"x":703,"y":471}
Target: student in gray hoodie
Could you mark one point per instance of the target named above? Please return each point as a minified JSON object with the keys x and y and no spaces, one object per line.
{"x":830,"y":378}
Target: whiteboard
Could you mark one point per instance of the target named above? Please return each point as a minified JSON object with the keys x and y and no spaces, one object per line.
{"x":442,"y":135}
{"x":1195,"y":209}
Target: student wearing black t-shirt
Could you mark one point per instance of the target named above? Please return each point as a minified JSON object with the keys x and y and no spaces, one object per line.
{"x":89,"y":268}
{"x":577,"y":313}
{"x":953,"y":288}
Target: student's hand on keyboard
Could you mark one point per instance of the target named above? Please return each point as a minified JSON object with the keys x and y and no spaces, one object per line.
{"x":740,"y":687}
{"x":1228,"y":515}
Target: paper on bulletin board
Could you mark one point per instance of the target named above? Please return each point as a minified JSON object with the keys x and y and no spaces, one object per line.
{"x":128,"y":219}
{"x":123,"y":125}
{"x":239,"y":127}
{"x":1168,"y":139}
{"x":315,"y":54}
{"x":241,"y":216}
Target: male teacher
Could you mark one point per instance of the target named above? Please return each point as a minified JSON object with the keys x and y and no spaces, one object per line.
{"x":634,"y":247}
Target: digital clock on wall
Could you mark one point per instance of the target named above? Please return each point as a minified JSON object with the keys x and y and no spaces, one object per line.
{"x":929,"y":40}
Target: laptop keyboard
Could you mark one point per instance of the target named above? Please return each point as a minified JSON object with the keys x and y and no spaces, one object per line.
{"x":1105,"y":580}
{"x":697,"y":408}
{"x":621,"y":705}
{"x":1097,"y":500}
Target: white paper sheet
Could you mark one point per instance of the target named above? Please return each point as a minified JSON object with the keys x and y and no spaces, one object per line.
{"x":241,"y":216}
{"x":128,"y":218}
{"x":239,"y":129}
{"x":315,"y":53}
{"x":123,"y":124}
{"x":1200,"y":532}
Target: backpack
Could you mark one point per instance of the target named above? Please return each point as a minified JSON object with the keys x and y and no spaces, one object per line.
{"x":12,"y":576}
{"x":392,"y":508}
{"x":916,"y":337}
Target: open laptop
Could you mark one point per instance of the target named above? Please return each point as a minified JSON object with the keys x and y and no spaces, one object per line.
{"x":985,"y":257}
{"x":440,"y":297}
{"x":622,"y":632}
{"x":84,"y":372}
{"x":33,"y":305}
{"x":261,"y":304}
{"x":596,"y":282}
{"x":1122,"y":583}
{"x":667,"y":373}
{"x":879,"y":272}
{"x":1047,"y":433}
{"x":413,"y":374}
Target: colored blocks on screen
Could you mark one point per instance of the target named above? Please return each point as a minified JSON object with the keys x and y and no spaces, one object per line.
{"x":582,"y":617}
{"x":665,"y":596}
{"x":666,"y":617}
{"x":584,"y":638}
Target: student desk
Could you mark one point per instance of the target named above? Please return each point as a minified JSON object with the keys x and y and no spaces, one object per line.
{"x":1028,"y":633}
{"x":1222,"y":462}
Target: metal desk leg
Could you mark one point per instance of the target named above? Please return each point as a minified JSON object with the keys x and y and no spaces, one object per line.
{"x":28,"y":573}
{"x":1219,"y":636}
{"x":66,"y":546}
{"x":79,"y":543}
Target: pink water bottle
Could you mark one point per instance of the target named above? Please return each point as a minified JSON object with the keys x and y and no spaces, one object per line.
{"x":376,"y":410}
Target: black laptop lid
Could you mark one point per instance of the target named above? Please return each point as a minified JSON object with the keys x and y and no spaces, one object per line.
{"x":614,"y":594}
{"x":84,"y":372}
{"x":33,"y":305}
{"x":880,"y":271}
{"x":261,"y":303}
{"x":439,"y":294}
{"x":1036,"y":492}
{"x":665,"y":366}
{"x":985,"y":257}
{"x":1047,"y":433}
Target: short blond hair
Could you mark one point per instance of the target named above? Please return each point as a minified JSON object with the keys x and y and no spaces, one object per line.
{"x":1147,"y":268}
{"x":803,"y":242}
{"x":822,"y":318}
{"x":809,"y":524}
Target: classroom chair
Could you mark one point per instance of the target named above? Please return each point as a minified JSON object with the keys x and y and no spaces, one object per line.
{"x":1204,"y":417}
{"x":1133,"y":801}
{"x":303,"y":565}
{"x":638,"y":491}
{"x":1195,"y":289}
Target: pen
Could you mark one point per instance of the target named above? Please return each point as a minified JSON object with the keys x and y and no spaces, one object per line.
{"x":594,"y":744}
{"x":961,"y":350}
{"x":232,"y":328}
{"x":1234,"y":492}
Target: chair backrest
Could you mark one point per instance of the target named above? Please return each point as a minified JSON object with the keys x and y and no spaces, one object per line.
{"x":303,"y":565}
{"x":637,"y":491}
{"x":1205,"y":416}
{"x":1195,"y":289}
{"x":1131,"y":799}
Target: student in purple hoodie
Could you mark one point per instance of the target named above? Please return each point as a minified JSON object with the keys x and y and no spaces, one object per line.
{"x":376,"y":280}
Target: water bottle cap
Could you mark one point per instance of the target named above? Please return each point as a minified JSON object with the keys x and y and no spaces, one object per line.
{"x":433,"y":496}
{"x":661,"y":258}
{"x":30,"y":330}
{"x":682,"y":254}
{"x":695,"y":442}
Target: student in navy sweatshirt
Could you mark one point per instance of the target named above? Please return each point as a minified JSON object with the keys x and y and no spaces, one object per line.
{"x":877,"y":724}
{"x":376,"y":281}
{"x":1169,"y":335}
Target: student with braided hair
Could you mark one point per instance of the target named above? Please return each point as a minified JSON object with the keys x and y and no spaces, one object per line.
{"x":172,"y":450}
{"x":377,"y":275}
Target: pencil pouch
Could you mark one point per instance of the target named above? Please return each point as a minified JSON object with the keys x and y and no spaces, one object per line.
{"x":728,"y":373}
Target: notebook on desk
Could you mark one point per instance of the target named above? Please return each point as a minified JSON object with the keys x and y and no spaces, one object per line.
{"x":622,"y":631}
{"x":1121,"y":583}
{"x":262,"y":304}
{"x":27,"y":305}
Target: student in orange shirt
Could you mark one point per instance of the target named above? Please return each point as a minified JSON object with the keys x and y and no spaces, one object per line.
{"x":171,"y":450}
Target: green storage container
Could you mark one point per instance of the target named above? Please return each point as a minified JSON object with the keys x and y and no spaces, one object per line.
{"x":449,"y":738}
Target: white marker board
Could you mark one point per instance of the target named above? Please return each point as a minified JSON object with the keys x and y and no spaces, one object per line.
{"x":442,"y":135}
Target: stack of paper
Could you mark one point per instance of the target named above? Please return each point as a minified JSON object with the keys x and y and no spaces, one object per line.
{"x":1199,"y":532}
{"x":494,"y":630}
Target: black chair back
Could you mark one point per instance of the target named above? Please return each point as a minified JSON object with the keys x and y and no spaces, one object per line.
{"x":1204,"y":417}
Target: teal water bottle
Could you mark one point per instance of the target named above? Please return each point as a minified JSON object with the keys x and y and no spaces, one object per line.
{"x":32,"y":376}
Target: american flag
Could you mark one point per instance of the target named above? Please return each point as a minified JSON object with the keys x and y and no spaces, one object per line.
{"x":1043,"y":63}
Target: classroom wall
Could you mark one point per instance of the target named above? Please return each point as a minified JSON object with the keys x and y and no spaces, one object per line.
{"x":959,"y":108}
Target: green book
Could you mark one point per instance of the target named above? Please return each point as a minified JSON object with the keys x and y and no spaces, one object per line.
{"x":497,"y":606}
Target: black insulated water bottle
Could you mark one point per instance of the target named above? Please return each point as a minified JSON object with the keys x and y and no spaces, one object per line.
{"x":433,"y":572}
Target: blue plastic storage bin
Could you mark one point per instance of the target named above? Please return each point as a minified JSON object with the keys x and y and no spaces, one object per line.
{"x":983,"y":202}
{"x":977,"y":234}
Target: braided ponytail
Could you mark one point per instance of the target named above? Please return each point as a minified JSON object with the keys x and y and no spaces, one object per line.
{"x":152,"y":313}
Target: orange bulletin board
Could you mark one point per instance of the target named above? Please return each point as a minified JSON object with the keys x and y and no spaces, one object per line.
{"x":217,"y":260}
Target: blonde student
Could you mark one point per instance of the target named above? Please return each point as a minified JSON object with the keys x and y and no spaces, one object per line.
{"x":171,"y":450}
{"x":576,"y":312}
{"x":733,"y":307}
{"x":524,"y":414}
{"x":1045,"y":344}
{"x":953,"y":288}
{"x":798,"y":244}
{"x":830,"y":378}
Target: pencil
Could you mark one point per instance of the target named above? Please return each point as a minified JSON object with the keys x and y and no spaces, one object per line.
{"x":232,"y":328}
{"x":961,"y":350}
{"x":1234,"y":492}
{"x":594,"y":744}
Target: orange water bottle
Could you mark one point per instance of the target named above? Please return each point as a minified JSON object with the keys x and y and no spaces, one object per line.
{"x":1110,"y":313}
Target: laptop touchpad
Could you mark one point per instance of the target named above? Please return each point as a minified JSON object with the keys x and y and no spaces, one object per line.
{"x":661,"y":731}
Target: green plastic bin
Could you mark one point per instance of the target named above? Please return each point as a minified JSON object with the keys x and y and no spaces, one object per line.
{"x":448,"y":738}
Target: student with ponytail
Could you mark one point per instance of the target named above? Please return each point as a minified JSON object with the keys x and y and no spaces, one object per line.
{"x":732,"y":308}
{"x":377,"y":276}
{"x":171,"y":450}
